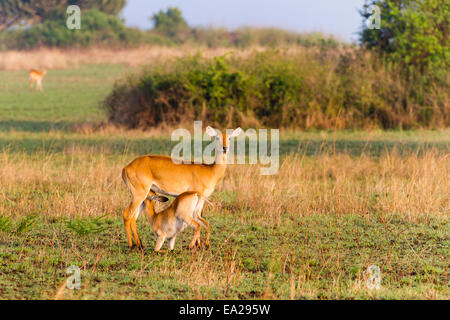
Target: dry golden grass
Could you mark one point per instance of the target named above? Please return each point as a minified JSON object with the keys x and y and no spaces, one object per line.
{"x":267,"y":243}
{"x":69,"y":58}
{"x":81,"y":183}
{"x":413,"y":186}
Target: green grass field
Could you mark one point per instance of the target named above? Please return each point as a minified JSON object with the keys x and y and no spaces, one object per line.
{"x":69,"y":96}
{"x":341,"y":202}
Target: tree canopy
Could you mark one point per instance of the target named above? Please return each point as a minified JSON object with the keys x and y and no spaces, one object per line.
{"x":169,"y":22}
{"x":14,"y":12}
{"x":413,"y":33}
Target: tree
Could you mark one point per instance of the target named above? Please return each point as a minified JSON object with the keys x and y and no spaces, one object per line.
{"x":170,"y":22}
{"x":14,"y":12}
{"x":414,"y":33}
{"x":113,"y":7}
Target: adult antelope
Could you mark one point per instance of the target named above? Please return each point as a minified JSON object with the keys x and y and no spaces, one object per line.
{"x":159,"y":174}
{"x":36,"y":76}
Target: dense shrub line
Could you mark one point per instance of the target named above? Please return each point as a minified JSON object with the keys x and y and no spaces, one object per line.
{"x":98,"y":29}
{"x":101,"y":29}
{"x":298,"y":88}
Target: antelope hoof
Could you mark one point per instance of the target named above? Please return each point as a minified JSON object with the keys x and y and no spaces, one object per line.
{"x":195,"y":244}
{"x":139,"y":248}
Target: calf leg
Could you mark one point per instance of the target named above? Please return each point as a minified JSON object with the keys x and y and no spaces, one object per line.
{"x":206,"y":226}
{"x":172,"y":242}
{"x":198,"y":213}
{"x":159,"y":243}
{"x":196,"y":239}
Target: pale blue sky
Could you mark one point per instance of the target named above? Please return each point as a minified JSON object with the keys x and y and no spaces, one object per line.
{"x":338,"y":17}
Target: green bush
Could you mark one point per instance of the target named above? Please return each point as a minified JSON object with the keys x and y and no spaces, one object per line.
{"x":87,"y":226}
{"x":25,"y":224}
{"x":6,"y":224}
{"x":305,"y":89}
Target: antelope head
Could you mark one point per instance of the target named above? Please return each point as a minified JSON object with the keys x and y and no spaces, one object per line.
{"x":222,"y":141}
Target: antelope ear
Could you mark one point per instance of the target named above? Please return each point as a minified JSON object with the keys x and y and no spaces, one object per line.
{"x":211,"y":132}
{"x":236,"y":132}
{"x":162,"y":199}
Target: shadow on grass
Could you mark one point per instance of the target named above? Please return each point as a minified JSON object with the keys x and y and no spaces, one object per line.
{"x":373,"y":148}
{"x":34,"y":126}
{"x":116,"y":145}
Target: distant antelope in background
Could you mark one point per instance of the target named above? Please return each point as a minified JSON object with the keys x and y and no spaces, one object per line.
{"x":37,"y":76}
